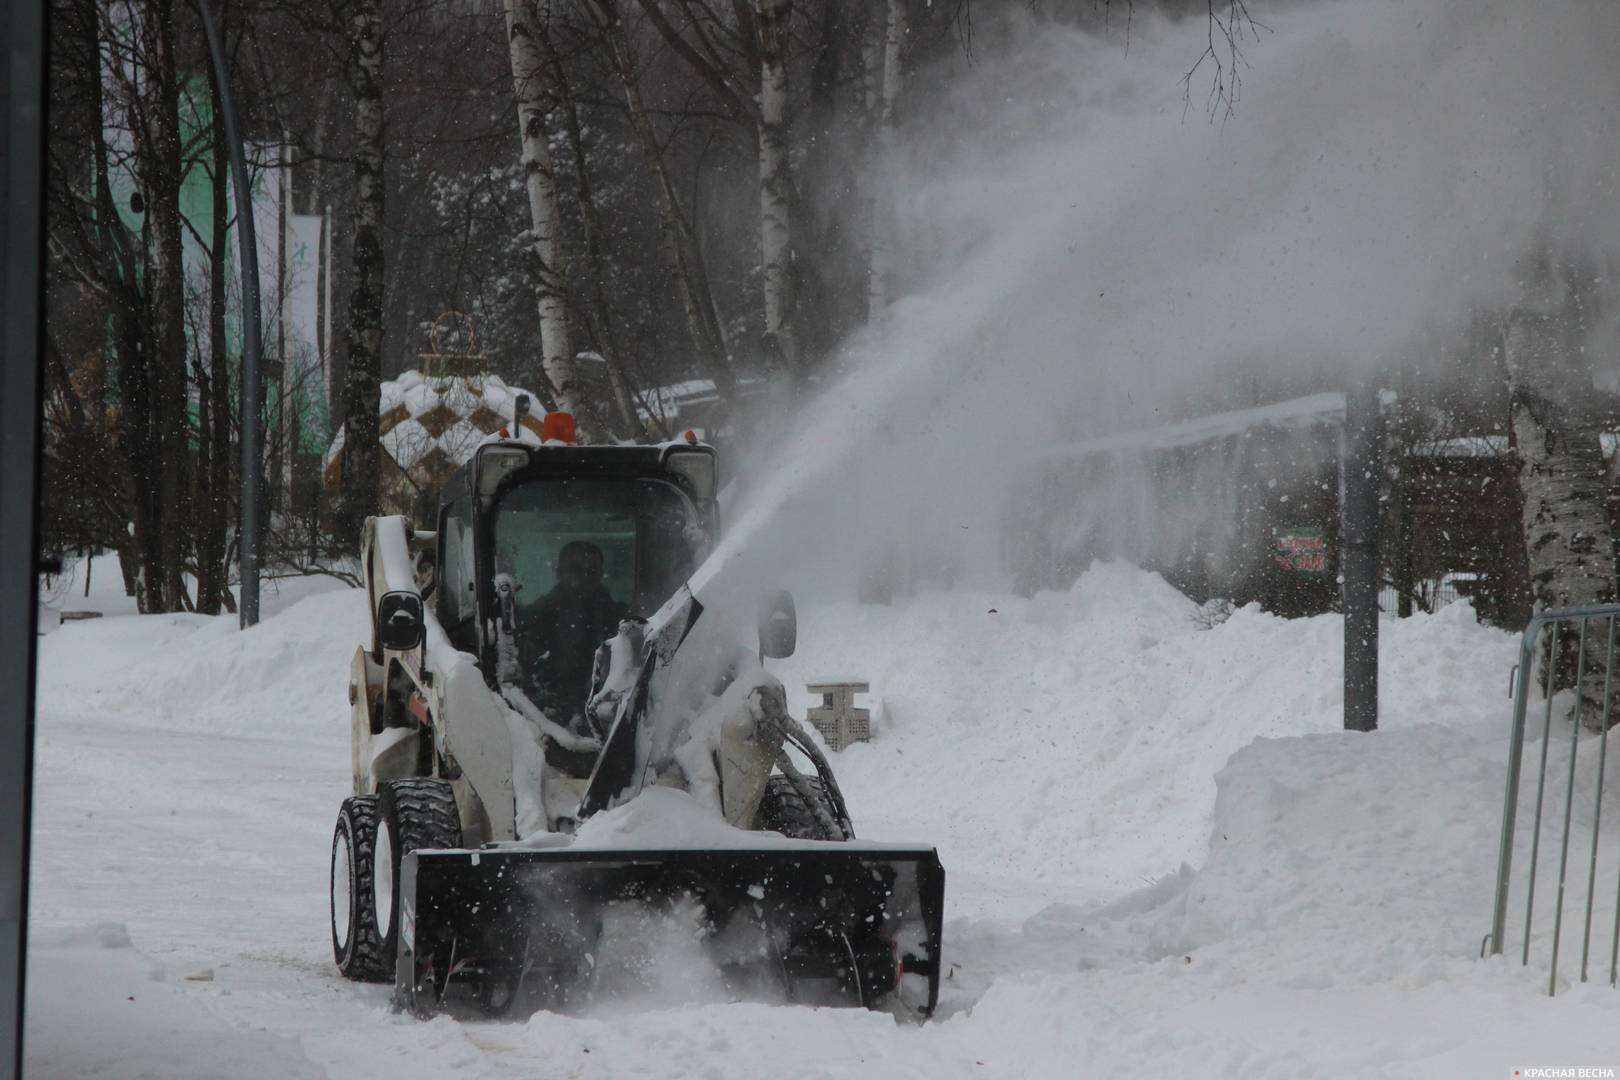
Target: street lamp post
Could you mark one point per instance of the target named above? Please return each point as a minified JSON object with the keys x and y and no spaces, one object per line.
{"x":252,"y":422}
{"x":1359,"y":467}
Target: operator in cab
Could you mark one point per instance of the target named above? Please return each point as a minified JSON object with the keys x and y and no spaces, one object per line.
{"x":564,"y":630}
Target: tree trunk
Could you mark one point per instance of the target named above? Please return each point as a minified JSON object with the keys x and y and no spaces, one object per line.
{"x":824,"y":192}
{"x":776,"y":184}
{"x":539,"y":178}
{"x":315,"y":166}
{"x":214,"y":392}
{"x":165,"y":275}
{"x":877,"y":278}
{"x":363,"y":378}
{"x":874,"y":33}
{"x":1566,"y":526}
{"x":140,"y":457}
{"x":708,"y":341}
{"x":139,"y":557}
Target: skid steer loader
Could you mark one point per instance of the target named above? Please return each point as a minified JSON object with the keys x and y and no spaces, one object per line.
{"x":548,"y":759}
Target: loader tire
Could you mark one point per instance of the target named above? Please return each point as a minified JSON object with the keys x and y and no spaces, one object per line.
{"x":355,"y":947}
{"x":784,"y":810}
{"x":414,"y":813}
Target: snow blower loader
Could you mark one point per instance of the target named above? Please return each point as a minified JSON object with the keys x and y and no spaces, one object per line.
{"x":552,"y":758}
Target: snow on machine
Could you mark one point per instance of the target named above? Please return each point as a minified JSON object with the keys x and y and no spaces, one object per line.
{"x":551,"y":755}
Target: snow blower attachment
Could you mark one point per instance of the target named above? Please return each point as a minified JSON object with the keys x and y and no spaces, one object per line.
{"x":818,"y":925}
{"x":549,"y":785}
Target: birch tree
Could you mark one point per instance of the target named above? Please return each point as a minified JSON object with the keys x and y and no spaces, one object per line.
{"x":540,"y":181}
{"x":775,"y":180}
{"x":755,"y":94}
{"x":1562,"y":476}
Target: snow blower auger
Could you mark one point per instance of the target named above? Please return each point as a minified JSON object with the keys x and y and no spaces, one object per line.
{"x":555,"y":798}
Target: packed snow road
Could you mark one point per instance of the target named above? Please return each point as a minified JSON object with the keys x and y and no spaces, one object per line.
{"x":1074,"y":757}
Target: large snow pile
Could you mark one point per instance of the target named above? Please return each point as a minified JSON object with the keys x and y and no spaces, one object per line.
{"x":1069,"y":743}
{"x":194,"y":672}
{"x":1069,"y":754}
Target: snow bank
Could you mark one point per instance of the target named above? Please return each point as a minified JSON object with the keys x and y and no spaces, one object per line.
{"x":1068,"y":744}
{"x":1372,"y":851}
{"x":1163,"y":856}
{"x":196,"y":672}
{"x":96,"y":585}
{"x":1333,"y":930}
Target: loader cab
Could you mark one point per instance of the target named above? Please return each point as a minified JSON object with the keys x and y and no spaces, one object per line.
{"x":642,"y":517}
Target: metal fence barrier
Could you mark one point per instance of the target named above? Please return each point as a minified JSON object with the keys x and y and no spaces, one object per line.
{"x":1577,"y":625}
{"x":1430,"y":595}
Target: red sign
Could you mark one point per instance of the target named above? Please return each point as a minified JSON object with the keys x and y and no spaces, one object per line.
{"x":1302,"y":550}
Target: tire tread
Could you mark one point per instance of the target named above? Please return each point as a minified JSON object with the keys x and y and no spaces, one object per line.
{"x":364,"y":961}
{"x":421,"y":812}
{"x":784,"y":810}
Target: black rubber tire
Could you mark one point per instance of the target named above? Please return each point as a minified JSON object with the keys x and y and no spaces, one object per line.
{"x":784,"y":810}
{"x":358,"y":953}
{"x":418,"y":813}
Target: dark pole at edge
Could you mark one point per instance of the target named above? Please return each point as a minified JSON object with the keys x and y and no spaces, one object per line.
{"x":247,"y":531}
{"x":1360,"y":466}
{"x":22,"y":182}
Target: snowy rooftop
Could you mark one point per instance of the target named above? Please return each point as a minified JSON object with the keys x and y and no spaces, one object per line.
{"x":668,"y":400}
{"x":1296,"y":413}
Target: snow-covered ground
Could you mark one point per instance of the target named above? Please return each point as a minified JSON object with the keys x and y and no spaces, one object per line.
{"x":94,"y":587}
{"x":1162,"y":857}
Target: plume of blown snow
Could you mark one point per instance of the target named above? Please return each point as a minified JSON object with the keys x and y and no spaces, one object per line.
{"x":1083,"y":251}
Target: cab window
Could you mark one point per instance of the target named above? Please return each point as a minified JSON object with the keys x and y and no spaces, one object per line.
{"x":455,"y":574}
{"x":646,"y":531}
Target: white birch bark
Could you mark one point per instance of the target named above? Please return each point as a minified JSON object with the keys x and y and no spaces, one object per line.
{"x":775,"y":179}
{"x":540,"y":181}
{"x":877,"y":278}
{"x":1563,"y":480}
